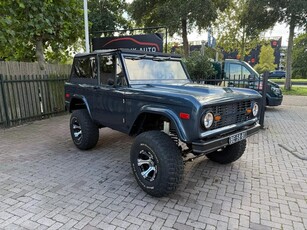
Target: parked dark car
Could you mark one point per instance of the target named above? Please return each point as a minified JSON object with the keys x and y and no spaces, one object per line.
{"x":240,"y":74}
{"x":151,"y":96}
{"x":277,"y":74}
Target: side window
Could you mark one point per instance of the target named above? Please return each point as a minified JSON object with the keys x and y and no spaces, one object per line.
{"x":234,"y":71}
{"x":85,"y":70}
{"x":245,"y":73}
{"x":238,"y":72}
{"x":111,"y":71}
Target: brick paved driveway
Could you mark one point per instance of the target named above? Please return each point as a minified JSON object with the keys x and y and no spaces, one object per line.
{"x":45,"y":182}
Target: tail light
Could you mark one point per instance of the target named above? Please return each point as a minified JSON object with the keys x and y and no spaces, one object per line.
{"x":260,"y":86}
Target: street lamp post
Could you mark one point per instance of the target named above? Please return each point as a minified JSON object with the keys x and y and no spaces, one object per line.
{"x":87,"y":40}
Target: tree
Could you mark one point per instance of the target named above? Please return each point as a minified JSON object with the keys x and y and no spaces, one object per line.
{"x":32,"y":27}
{"x":239,"y":26}
{"x":199,"y":66}
{"x":294,"y":13}
{"x":107,"y":15}
{"x":266,"y":59}
{"x":178,"y":16}
{"x":299,"y":63}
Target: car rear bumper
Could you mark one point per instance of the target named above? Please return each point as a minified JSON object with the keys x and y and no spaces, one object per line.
{"x":204,"y":147}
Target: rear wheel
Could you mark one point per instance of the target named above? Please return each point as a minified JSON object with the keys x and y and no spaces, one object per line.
{"x":229,"y":154}
{"x":156,"y":163}
{"x":84,"y":131}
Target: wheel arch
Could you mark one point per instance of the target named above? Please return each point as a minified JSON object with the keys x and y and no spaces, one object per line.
{"x":149,"y":113}
{"x":79,"y":102}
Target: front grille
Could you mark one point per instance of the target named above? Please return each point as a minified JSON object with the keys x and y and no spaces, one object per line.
{"x":231,"y":113}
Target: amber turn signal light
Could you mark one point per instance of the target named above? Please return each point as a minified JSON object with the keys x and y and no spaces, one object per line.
{"x":248,"y":111}
{"x":217,"y":118}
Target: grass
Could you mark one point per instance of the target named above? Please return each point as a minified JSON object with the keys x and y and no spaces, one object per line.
{"x":298,"y":91}
{"x":292,"y":80}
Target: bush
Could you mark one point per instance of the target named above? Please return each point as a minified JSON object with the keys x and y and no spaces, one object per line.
{"x":201,"y":68}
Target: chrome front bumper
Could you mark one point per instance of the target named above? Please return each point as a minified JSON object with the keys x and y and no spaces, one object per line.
{"x":204,"y":147}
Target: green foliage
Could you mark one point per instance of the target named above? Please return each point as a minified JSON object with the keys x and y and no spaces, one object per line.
{"x":296,"y":81}
{"x":266,"y":59}
{"x":298,"y":91}
{"x":200,"y":67}
{"x":211,"y":53}
{"x":291,"y":12}
{"x":294,"y":13}
{"x":238,"y":28}
{"x":177,"y":15}
{"x":299,"y":63}
{"x":56,"y":24}
{"x":107,"y":15}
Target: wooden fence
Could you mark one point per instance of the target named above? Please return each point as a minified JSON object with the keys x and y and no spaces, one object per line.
{"x":28,"y":93}
{"x":32,"y":68}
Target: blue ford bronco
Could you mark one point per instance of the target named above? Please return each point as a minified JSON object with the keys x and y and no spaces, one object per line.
{"x":150,"y":96}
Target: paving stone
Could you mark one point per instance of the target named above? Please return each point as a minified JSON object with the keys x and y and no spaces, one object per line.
{"x":134,"y":220}
{"x":55,"y":226}
{"x":46,"y":221}
{"x":180,"y":226}
{"x":83,"y":222}
{"x":46,"y":182}
{"x":29,"y":224}
{"x":183,"y":217}
{"x":147,"y":217}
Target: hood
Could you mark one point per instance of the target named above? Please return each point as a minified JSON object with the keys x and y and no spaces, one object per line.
{"x":273,"y":84}
{"x":205,"y":94}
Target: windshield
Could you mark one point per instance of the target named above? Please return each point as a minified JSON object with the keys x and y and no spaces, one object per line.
{"x":144,"y":69}
{"x":253,"y":72}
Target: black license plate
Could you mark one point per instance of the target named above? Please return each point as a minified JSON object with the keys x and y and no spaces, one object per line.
{"x":237,"y":137}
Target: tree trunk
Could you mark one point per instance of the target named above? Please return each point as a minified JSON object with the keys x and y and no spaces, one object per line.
{"x":185,"y":37}
{"x":40,"y":53}
{"x":289,"y":56}
{"x":242,"y":54}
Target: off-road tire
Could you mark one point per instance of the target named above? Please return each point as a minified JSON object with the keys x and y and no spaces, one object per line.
{"x":166,"y":161}
{"x":80,"y":121}
{"x":229,"y":154}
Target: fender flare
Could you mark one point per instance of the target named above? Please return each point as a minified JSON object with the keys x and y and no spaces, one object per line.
{"x":82,"y":98}
{"x":171,"y":115}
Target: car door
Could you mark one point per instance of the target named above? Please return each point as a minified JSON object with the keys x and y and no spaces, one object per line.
{"x":109,"y":101}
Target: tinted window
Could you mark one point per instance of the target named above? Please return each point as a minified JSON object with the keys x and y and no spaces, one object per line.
{"x":238,"y":71}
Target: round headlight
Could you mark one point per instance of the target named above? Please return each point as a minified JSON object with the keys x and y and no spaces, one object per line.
{"x":255,"y":109}
{"x":208,"y":119}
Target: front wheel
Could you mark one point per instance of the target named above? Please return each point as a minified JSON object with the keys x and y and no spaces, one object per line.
{"x":156,"y":163}
{"x":229,"y":154}
{"x":84,"y":131}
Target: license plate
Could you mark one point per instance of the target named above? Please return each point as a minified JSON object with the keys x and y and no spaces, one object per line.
{"x":237,"y":137}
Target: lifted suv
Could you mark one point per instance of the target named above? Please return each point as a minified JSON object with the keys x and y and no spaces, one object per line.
{"x":150,"y":96}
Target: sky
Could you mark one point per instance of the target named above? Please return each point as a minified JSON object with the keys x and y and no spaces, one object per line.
{"x":279,"y":30}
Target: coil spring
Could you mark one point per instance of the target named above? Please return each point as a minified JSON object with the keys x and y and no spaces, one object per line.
{"x":174,"y":137}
